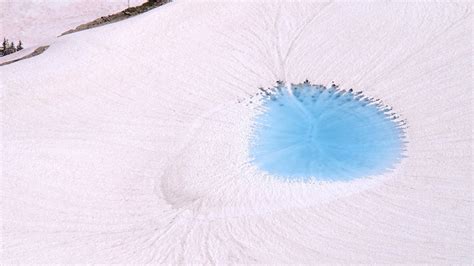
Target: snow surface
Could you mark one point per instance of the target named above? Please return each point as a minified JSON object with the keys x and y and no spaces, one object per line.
{"x":39,"y":22}
{"x":17,"y":55}
{"x":128,"y":143}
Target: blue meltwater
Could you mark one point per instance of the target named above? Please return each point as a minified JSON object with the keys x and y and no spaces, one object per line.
{"x":312,"y":132}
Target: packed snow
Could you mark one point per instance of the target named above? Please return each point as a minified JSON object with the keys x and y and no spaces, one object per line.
{"x":129,"y":143}
{"x":39,"y":22}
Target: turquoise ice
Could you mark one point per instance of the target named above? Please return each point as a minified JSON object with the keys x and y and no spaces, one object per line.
{"x":310,"y":132}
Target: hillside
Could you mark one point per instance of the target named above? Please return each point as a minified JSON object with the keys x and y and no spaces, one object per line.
{"x":128,"y":143}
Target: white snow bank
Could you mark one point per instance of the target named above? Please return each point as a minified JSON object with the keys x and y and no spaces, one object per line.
{"x":127,"y":143}
{"x":17,"y":55}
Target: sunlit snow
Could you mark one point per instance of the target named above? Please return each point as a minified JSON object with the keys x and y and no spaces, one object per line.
{"x":131,"y":143}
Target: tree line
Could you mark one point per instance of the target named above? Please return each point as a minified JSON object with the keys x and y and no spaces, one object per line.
{"x":10,"y":47}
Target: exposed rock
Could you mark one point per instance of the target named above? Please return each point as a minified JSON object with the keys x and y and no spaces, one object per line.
{"x":36,"y":52}
{"x":129,"y":12}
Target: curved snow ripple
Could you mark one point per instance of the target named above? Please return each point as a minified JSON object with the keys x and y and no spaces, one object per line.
{"x":135,"y":152}
{"x":224,"y":182}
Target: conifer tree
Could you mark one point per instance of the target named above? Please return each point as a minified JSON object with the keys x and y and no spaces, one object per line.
{"x":11,"y":48}
{"x":19,"y":46}
{"x":5,"y":47}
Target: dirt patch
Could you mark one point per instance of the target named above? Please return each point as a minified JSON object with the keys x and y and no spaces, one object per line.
{"x":129,"y":12}
{"x":36,"y":52}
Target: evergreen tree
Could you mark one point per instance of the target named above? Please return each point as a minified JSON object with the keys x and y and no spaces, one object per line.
{"x":19,"y":46}
{"x":11,"y":48}
{"x":4,"y":47}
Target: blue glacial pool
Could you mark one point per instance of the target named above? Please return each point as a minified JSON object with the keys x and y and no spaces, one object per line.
{"x":312,"y":132}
